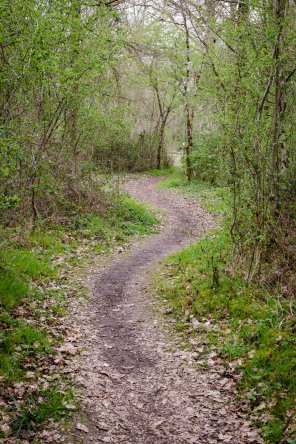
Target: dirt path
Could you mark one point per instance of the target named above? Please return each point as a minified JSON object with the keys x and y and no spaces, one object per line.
{"x":135,"y":390}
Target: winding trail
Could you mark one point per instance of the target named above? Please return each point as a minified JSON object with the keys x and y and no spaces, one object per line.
{"x":135,"y":390}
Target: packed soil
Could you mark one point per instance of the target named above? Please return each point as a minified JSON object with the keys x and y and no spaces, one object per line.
{"x":137,"y":388}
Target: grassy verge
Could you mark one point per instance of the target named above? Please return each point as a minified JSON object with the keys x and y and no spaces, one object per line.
{"x":246,"y":328}
{"x":213,"y":197}
{"x":35,"y":288}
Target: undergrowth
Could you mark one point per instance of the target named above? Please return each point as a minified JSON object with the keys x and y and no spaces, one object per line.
{"x":34,"y":288}
{"x":247,"y":328}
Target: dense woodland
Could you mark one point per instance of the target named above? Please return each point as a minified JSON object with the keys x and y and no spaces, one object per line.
{"x":112,"y":86}
{"x":91,"y":89}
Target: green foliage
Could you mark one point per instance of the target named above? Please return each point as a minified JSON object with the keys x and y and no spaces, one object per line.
{"x":256,"y":125}
{"x":49,"y":122}
{"x":205,"y":159}
{"x":121,"y":152}
{"x":10,"y":155}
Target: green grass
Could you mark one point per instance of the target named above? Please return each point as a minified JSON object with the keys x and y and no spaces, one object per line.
{"x":50,"y":241}
{"x":18,"y":346}
{"x":213,"y":198}
{"x":25,"y":335}
{"x":28,"y":263}
{"x":32,"y":296}
{"x":12,"y":290}
{"x":134,"y":217}
{"x":250,"y":328}
{"x":17,"y":267}
{"x":125,"y":219}
{"x":32,"y":414}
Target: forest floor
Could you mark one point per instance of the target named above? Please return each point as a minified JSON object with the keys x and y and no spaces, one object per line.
{"x":137,"y":386}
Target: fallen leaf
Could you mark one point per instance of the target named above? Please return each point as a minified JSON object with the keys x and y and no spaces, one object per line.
{"x":82,"y":427}
{"x":157,"y":423}
{"x":261,"y":406}
{"x":251,"y":354}
{"x":70,"y":406}
{"x":68,"y":348}
{"x":5,"y":429}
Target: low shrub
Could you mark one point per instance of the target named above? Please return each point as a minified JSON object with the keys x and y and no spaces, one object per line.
{"x":206,"y":161}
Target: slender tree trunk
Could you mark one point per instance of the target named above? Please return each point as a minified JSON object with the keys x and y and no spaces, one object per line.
{"x":160,"y":143}
{"x":188,"y":148}
{"x":188,"y":145}
{"x":279,"y":152}
{"x":164,"y":114}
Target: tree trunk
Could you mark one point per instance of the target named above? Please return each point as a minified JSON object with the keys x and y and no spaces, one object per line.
{"x":188,"y":145}
{"x":279,"y":152}
{"x":160,"y":143}
{"x":188,"y":148}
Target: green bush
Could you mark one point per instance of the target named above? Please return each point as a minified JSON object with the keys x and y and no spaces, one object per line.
{"x":126,"y":153}
{"x":205,"y":160}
